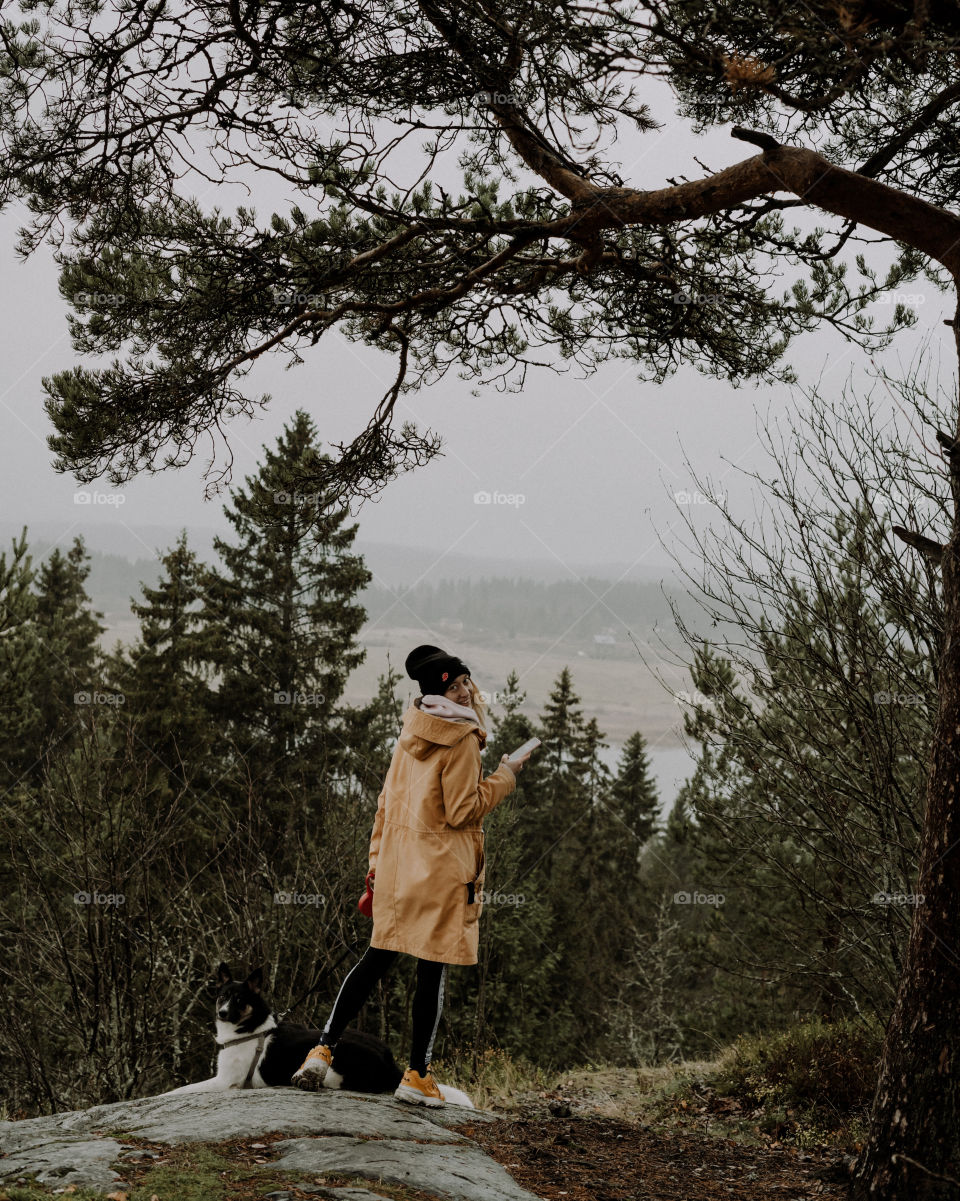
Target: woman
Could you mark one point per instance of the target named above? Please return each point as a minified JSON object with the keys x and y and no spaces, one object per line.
{"x":427,"y":852}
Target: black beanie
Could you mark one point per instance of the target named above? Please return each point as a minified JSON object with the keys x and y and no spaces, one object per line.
{"x":433,"y":669}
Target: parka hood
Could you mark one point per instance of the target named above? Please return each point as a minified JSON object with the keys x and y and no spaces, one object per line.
{"x":423,"y":733}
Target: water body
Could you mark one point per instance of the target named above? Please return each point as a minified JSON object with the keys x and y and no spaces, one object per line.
{"x":671,"y":766}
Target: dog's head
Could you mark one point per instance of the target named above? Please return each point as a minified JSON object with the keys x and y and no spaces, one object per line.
{"x":238,"y":1000}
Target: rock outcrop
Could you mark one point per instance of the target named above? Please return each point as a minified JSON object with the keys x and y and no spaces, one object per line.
{"x":376,"y":1138}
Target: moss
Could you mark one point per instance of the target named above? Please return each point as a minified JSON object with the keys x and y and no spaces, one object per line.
{"x":205,"y":1172}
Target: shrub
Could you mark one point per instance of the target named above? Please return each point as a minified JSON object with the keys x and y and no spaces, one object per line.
{"x":811,"y":1065}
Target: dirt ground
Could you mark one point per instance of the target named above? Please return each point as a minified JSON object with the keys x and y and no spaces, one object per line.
{"x":579,"y":1142}
{"x":601,"y":1159}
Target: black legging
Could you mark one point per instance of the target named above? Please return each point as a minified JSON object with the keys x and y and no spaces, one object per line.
{"x":360,"y":982}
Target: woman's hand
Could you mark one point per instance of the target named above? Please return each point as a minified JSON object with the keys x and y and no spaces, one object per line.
{"x":516,"y":765}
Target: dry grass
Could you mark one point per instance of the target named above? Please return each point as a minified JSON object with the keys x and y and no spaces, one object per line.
{"x":510,"y":1085}
{"x":781,"y":1089}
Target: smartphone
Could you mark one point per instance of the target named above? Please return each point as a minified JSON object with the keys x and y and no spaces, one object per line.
{"x":529,"y":745}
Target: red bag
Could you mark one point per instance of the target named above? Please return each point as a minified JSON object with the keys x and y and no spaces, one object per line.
{"x":365,"y":904}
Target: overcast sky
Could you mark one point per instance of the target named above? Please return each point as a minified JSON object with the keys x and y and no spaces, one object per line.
{"x":597,"y":461}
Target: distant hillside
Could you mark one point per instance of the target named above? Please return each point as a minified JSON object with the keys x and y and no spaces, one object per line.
{"x":394,"y":565}
{"x":592,"y":609}
{"x":493,"y":598}
{"x":500,"y":623}
{"x":113,"y":579}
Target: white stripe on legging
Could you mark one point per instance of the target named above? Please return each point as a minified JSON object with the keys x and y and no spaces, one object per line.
{"x":326,"y":1028}
{"x":443,"y":978}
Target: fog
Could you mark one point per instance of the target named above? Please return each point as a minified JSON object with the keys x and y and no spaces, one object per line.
{"x":572,"y":476}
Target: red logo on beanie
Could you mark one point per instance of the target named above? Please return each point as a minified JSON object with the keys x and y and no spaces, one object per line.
{"x":444,"y":676}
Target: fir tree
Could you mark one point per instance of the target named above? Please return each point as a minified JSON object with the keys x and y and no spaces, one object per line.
{"x":561,"y":724}
{"x":21,"y":665}
{"x":633,"y":795}
{"x":561,"y":730}
{"x":66,"y":684}
{"x":286,"y":626}
{"x":166,"y":677}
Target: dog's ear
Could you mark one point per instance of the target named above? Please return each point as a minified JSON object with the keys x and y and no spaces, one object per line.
{"x":255,"y":980}
{"x":224,"y":975}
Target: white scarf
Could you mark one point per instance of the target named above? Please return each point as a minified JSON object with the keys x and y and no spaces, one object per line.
{"x":441,"y":706}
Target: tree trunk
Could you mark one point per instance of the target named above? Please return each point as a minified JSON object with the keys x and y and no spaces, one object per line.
{"x":913,"y":1148}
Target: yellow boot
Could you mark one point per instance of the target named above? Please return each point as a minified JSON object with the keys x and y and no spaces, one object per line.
{"x":419,"y":1090}
{"x":311,"y":1072}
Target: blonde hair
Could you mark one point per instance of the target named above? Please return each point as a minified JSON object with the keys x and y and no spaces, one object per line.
{"x":477,"y":703}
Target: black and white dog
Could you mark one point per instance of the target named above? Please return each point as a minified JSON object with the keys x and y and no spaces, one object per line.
{"x":257,"y":1051}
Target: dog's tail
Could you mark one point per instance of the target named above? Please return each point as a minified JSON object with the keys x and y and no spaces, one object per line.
{"x":455,"y":1096}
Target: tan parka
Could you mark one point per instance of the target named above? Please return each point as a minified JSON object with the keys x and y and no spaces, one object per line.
{"x":427,"y":840}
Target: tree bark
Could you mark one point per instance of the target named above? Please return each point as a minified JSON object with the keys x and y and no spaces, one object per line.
{"x":913,"y":1148}
{"x":808,"y":175}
